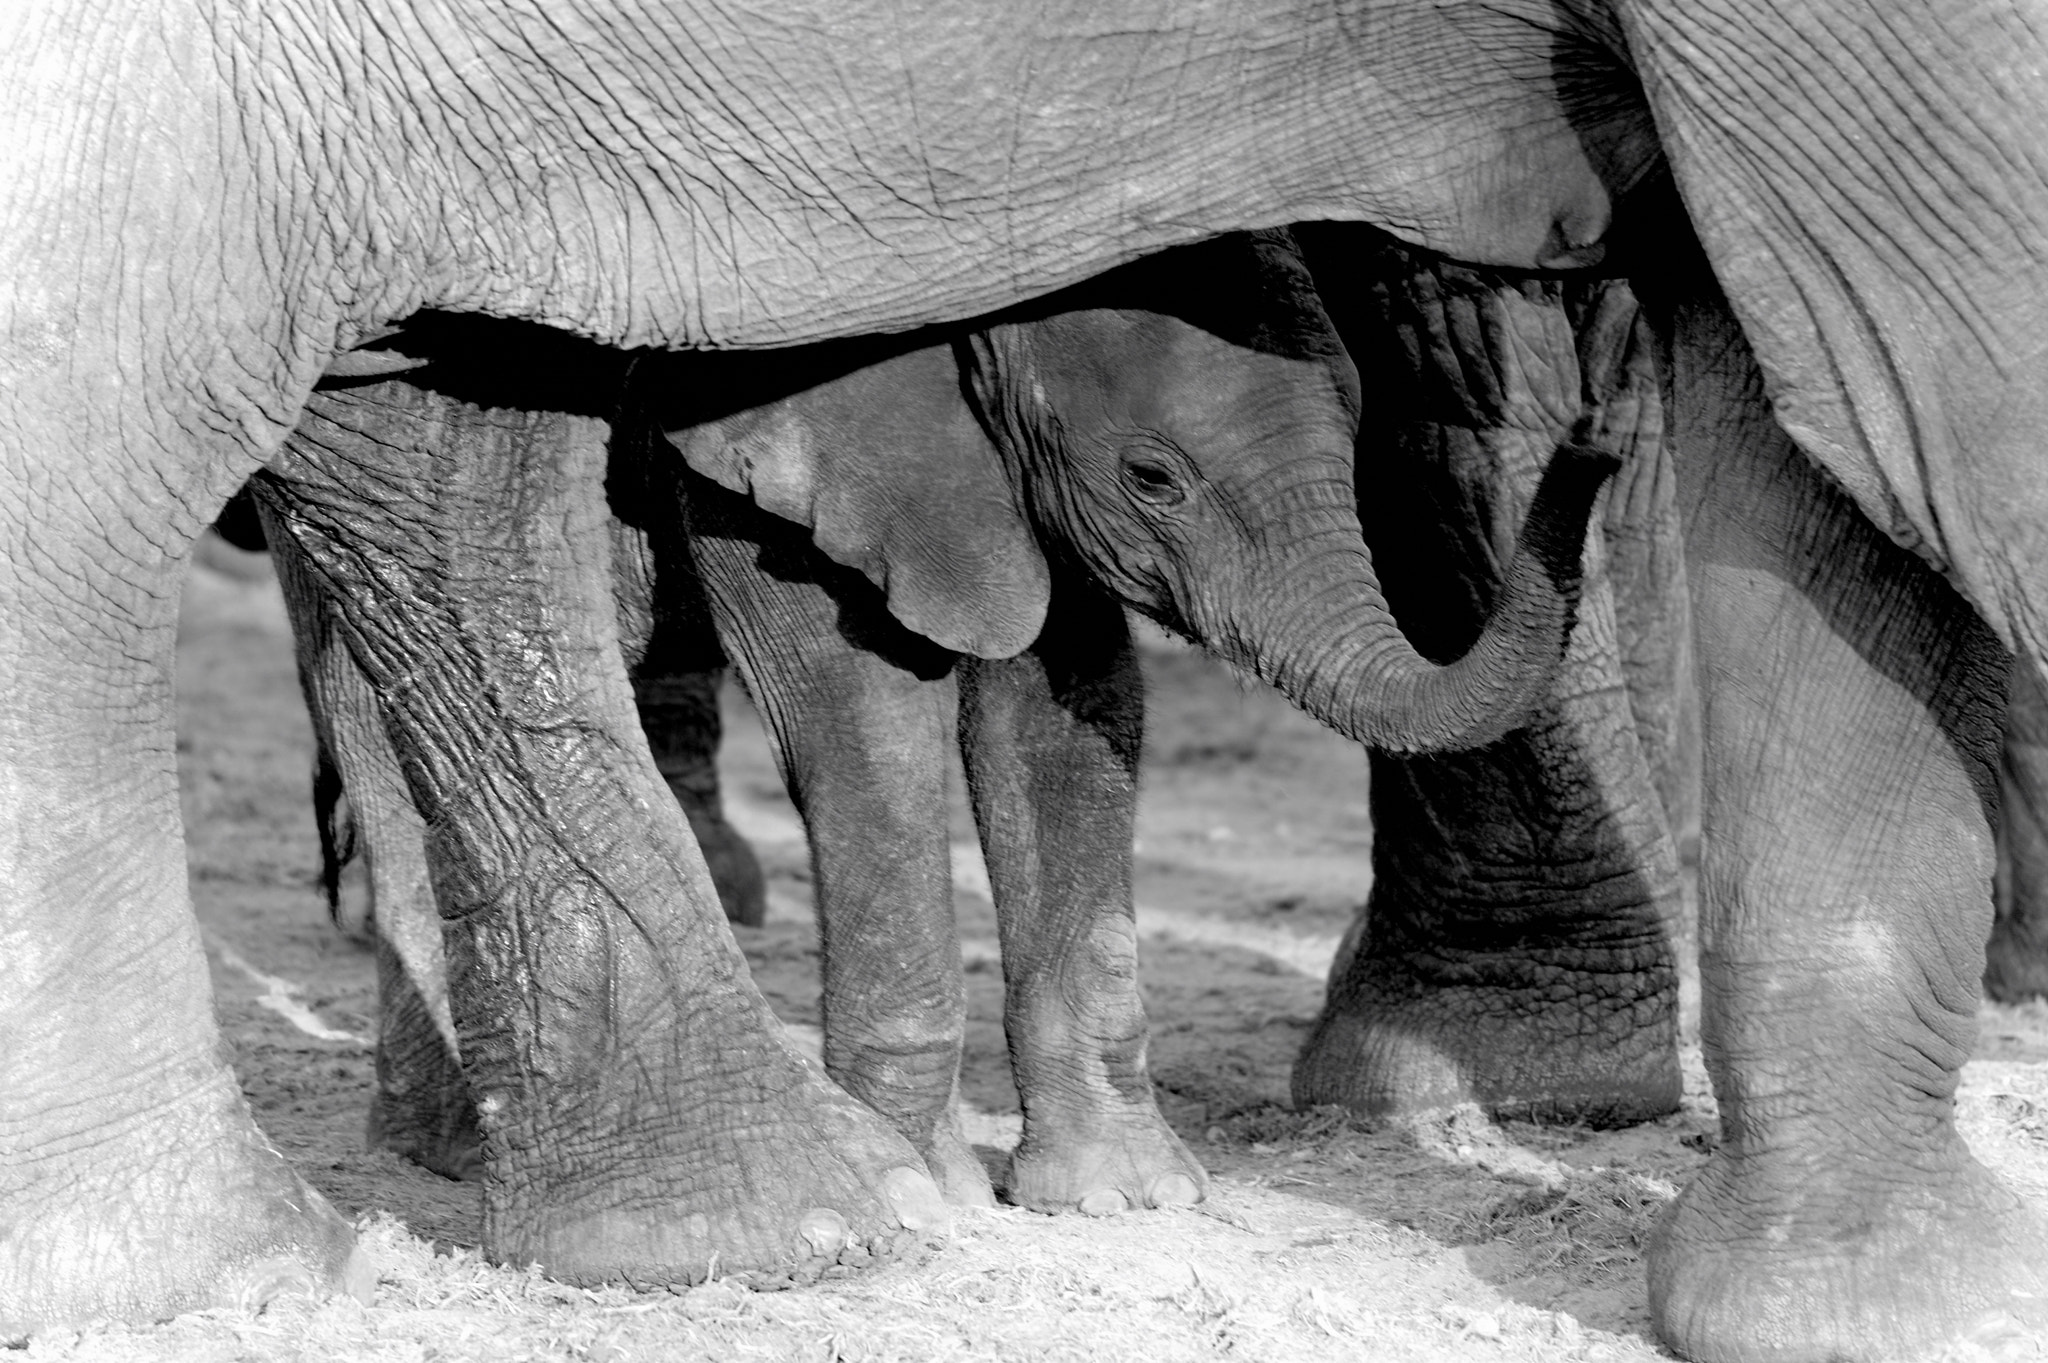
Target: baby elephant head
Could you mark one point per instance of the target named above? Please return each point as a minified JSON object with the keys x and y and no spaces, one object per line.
{"x":1183,"y":430}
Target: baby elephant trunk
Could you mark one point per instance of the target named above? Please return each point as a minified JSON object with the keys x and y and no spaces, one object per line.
{"x":1348,"y":664}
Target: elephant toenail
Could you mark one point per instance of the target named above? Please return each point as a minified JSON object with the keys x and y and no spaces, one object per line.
{"x":1175,"y":1190}
{"x":915,"y":1199}
{"x":275,"y":1277}
{"x":1104,"y":1202}
{"x":823,"y":1229}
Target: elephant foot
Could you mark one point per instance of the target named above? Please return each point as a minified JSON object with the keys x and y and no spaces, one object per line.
{"x":909,"y":1096}
{"x":774,"y":1181}
{"x":441,"y":1137}
{"x":735,"y":870}
{"x":1804,"y":1264}
{"x":2015,"y":965}
{"x":957,"y":1169}
{"x":186,"y":1209}
{"x":1102,"y":1162}
{"x":1605,"y":1059}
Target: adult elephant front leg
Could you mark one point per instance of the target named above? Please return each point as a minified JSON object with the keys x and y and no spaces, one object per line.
{"x":1850,"y":705}
{"x":1050,"y":740}
{"x":642,"y":1119}
{"x":134,"y":1183}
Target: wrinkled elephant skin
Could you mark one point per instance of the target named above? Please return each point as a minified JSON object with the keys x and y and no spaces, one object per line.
{"x":1517,"y":946}
{"x":200,"y":206}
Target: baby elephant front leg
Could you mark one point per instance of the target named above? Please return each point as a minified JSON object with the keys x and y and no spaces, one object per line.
{"x":1050,"y":739}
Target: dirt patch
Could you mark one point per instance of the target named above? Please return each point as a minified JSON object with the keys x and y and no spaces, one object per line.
{"x":1324,"y":1238}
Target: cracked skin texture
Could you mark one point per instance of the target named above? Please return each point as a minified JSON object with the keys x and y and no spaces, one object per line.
{"x":1517,"y":946}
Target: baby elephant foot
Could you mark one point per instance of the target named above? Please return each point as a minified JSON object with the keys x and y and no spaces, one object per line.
{"x":1101,"y":1162}
{"x":190,"y":1210}
{"x":962,"y":1180}
{"x":773,"y":1183}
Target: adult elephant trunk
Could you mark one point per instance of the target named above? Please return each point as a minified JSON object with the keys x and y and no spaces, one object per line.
{"x":1336,"y":652}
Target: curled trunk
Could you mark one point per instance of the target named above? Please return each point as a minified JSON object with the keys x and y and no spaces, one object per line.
{"x":1346,"y":662}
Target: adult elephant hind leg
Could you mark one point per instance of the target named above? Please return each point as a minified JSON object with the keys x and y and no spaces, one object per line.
{"x":642,"y":1117}
{"x":1850,"y":704}
{"x":1050,"y":739}
{"x":422,"y":1107}
{"x":857,"y":707}
{"x":1516,"y":949}
{"x":2016,"y":964}
{"x":133,"y":1183}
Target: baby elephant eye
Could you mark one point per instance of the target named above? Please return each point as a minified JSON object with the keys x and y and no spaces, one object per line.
{"x":1154,"y":480}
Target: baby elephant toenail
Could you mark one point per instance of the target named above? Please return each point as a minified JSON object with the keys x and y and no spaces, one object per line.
{"x":1104,"y":1202}
{"x":823,"y":1229}
{"x":1175,"y":1190}
{"x":915,"y":1199}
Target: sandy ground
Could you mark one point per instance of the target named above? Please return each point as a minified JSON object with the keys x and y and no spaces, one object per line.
{"x":1324,"y":1238}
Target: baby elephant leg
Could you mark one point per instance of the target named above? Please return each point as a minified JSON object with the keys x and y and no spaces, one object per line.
{"x":1050,"y":739}
{"x":858,"y":708}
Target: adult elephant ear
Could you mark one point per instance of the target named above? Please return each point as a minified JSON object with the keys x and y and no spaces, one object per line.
{"x":889,"y":467}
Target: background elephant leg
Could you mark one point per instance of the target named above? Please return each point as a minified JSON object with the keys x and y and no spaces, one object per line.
{"x":1051,"y":740}
{"x":133,"y":1183}
{"x":2016,"y":966}
{"x":859,"y":711}
{"x":1517,"y":948}
{"x":679,"y":711}
{"x":643,"y":1117}
{"x":422,"y":1108}
{"x":1850,"y":703}
{"x":671,"y":649}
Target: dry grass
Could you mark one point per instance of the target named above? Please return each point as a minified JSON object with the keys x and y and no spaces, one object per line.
{"x":1589,"y":1225}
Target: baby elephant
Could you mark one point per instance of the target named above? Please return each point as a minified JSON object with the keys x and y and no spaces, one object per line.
{"x":952,"y":525}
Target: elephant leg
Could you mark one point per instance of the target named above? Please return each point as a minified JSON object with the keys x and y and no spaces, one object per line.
{"x":1850,"y":702}
{"x":643,"y":1117}
{"x":1517,"y":946}
{"x":2016,"y":965}
{"x":671,"y":648}
{"x":679,"y":711}
{"x":858,"y":708}
{"x":422,"y":1107}
{"x":133,"y":1183}
{"x":1516,"y":950}
{"x":1050,"y":740}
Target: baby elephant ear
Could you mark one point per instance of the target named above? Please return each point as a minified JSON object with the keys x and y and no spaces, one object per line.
{"x":893,"y":474}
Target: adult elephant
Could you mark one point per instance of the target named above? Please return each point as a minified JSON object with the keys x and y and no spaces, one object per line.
{"x":203,"y":207}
